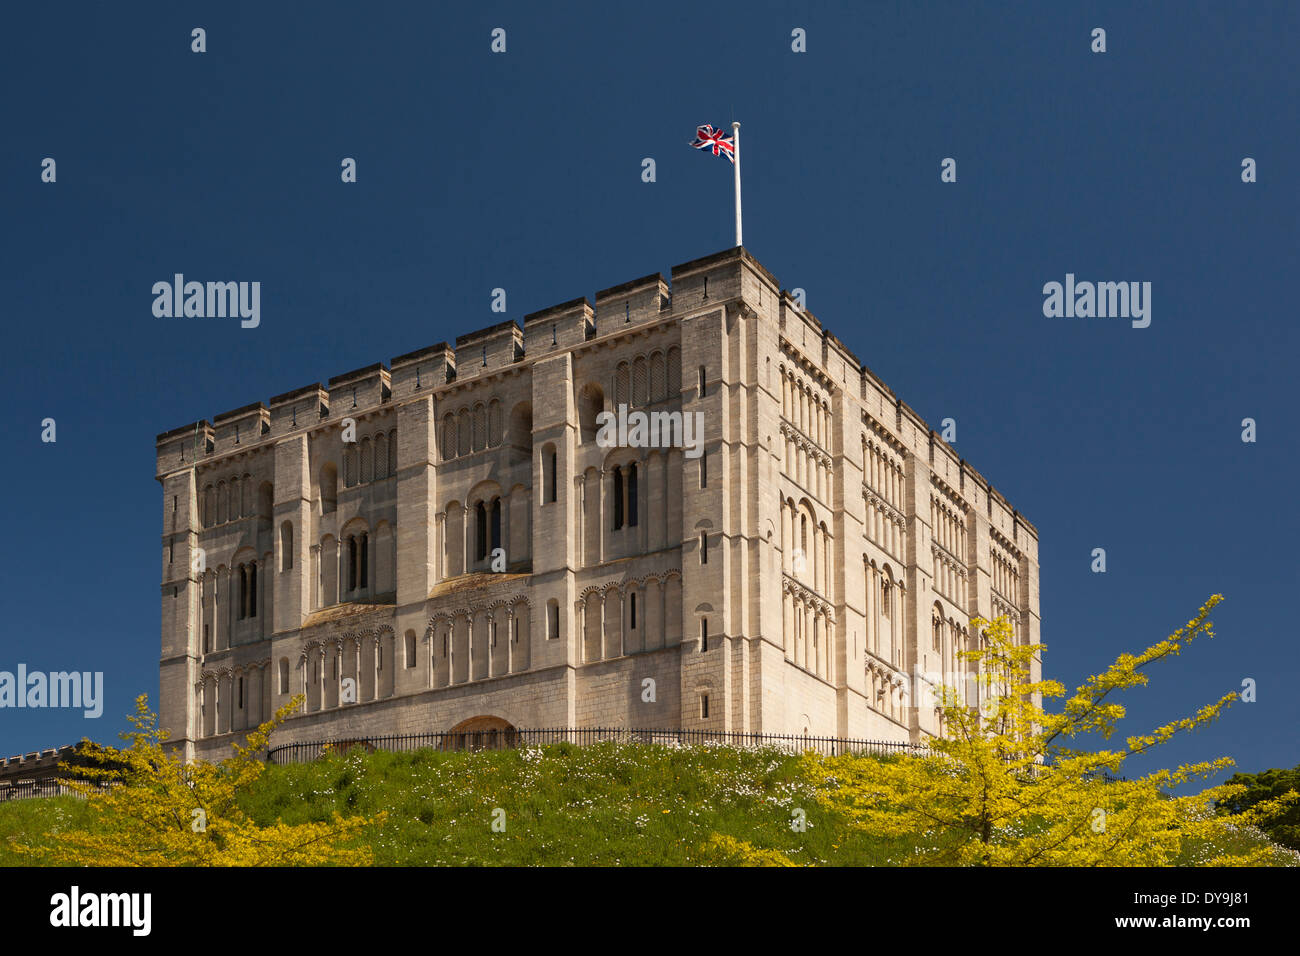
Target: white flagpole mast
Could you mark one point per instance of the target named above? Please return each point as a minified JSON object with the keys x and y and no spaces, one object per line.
{"x":735,"y":133}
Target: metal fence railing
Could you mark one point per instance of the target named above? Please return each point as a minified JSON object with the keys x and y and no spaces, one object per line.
{"x":32,"y":789}
{"x":305,"y":751}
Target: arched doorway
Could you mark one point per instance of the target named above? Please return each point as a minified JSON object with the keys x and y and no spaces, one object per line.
{"x":481,"y":733}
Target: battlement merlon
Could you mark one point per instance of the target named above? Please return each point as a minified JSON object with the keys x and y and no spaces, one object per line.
{"x":421,"y":371}
{"x":488,"y":350}
{"x":37,"y":759}
{"x":559,"y":328}
{"x":182,"y":447}
{"x":239,"y":427}
{"x":298,"y":408}
{"x":632,"y":303}
{"x":360,"y":390}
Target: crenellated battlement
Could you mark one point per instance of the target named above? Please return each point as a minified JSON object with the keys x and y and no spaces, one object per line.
{"x":699,"y":284}
{"x":35,"y":765}
{"x":568,"y":325}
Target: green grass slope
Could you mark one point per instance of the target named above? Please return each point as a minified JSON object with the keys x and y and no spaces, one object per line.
{"x":563,"y":805}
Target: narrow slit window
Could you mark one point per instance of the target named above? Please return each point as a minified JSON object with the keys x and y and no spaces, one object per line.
{"x":618,"y":498}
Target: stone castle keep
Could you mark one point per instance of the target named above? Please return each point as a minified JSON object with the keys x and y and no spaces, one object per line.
{"x":444,"y":544}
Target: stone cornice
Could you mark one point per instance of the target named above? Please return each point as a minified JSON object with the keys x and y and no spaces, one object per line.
{"x":874,"y":498}
{"x":807,"y":367}
{"x":807,"y":595}
{"x":800,"y":438}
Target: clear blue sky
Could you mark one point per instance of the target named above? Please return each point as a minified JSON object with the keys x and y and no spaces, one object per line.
{"x":522,"y":171}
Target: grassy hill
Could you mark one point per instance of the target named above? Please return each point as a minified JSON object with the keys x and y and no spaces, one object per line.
{"x":601,"y":805}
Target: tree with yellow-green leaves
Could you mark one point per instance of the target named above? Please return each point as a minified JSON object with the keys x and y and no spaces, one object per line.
{"x":160,"y":811}
{"x":1010,"y":784}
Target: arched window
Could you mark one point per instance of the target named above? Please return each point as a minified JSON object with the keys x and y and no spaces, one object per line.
{"x":284,"y":675}
{"x":552,"y":620}
{"x":392,"y":453}
{"x":632,"y":612}
{"x":286,"y":546}
{"x":494,"y":424}
{"x":367,"y":463}
{"x":349,"y":465}
{"x":448,"y":437}
{"x":462,"y":432}
{"x":243,"y":593}
{"x":381,"y":456}
{"x":495,"y":534}
{"x":410,"y":648}
{"x":640,"y":383}
{"x":657,"y":384}
{"x":621,"y":385}
{"x":478,"y":429}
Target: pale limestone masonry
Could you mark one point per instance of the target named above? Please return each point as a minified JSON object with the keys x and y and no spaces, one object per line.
{"x":812,"y":572}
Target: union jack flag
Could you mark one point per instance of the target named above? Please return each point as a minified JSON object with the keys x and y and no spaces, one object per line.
{"x":706,"y":137}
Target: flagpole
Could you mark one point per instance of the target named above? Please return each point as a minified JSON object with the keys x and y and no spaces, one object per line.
{"x":735,"y":133}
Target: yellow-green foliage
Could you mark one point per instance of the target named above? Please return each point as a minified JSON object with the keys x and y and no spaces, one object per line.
{"x":732,"y":852}
{"x":1005,"y":787}
{"x":162,"y":812}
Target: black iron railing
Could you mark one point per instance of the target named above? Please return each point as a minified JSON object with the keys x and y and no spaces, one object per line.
{"x":508,"y":738}
{"x":50,"y":787}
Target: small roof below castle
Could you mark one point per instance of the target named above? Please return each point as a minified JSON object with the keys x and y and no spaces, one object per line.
{"x":472,"y":581}
{"x":343,"y":612}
